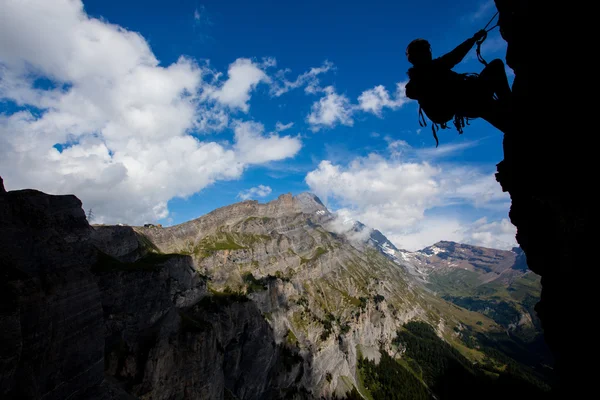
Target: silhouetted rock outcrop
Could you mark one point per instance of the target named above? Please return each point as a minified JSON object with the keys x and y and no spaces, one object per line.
{"x":96,"y":313}
{"x":50,"y":311}
{"x":545,"y":174}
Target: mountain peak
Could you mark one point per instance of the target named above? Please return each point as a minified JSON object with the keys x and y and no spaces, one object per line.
{"x":310,"y":203}
{"x":310,"y":197}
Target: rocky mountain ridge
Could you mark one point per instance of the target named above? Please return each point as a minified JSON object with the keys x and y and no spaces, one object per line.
{"x":249,"y":301}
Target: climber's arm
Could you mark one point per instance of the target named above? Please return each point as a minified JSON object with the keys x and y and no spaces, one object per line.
{"x":452,"y":58}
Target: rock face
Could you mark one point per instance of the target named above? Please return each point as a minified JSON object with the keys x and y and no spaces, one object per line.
{"x":96,"y":313}
{"x":160,"y":351}
{"x":327,"y":296}
{"x":121,"y":242}
{"x":551,"y":196}
{"x":166,"y":337}
{"x":51,"y":316}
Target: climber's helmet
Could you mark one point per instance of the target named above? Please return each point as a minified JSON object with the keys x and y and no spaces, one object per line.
{"x":418,"y":51}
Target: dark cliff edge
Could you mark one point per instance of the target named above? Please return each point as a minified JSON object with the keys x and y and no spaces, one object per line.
{"x":99,"y":313}
{"x":51,"y":315}
{"x":546,"y":177}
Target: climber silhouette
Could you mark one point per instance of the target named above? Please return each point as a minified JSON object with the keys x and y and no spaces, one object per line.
{"x":444,"y":94}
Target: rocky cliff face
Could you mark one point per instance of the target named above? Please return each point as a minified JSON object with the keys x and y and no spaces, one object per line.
{"x":548,"y":182}
{"x":51,"y":315}
{"x":96,"y":313}
{"x":327,"y":296}
{"x":168,"y":337}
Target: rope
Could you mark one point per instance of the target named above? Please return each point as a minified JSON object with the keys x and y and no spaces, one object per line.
{"x":480,"y":41}
{"x":478,"y":50}
{"x":492,"y":28}
{"x":434,"y":126}
{"x":490,"y":21}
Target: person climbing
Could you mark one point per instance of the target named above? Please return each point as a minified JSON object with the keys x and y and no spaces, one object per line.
{"x":444,"y":94}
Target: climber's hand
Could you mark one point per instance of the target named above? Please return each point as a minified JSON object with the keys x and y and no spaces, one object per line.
{"x":479,"y":34}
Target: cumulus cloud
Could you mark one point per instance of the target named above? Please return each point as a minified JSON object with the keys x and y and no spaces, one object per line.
{"x":253,"y":193}
{"x":330,"y":110}
{"x":100,"y":117}
{"x":374,"y":100}
{"x":243,"y":76}
{"x":344,"y":224}
{"x":396,"y":194}
{"x":254,"y":147}
{"x":427,"y":232}
{"x":334,"y":108}
{"x":495,"y":234}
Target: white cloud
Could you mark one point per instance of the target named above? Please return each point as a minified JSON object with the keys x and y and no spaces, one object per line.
{"x":330,"y":110}
{"x":255,"y":148}
{"x":243,"y":76}
{"x":374,"y":100}
{"x":344,"y":224}
{"x":395,"y":196}
{"x":196,"y":15}
{"x":308,"y":79}
{"x":334,"y":108}
{"x":280,"y":127}
{"x":123,"y":119}
{"x":444,"y":150}
{"x":399,"y":149}
{"x":268,"y":62}
{"x":496,"y":234}
{"x":427,"y":232}
{"x":252,"y":193}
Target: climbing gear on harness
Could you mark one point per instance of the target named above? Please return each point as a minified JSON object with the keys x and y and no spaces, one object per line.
{"x":459,"y":123}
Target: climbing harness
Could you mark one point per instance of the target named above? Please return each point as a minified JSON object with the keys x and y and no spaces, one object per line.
{"x":459,"y":120}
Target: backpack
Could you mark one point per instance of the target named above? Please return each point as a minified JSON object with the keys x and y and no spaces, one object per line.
{"x":439,"y":96}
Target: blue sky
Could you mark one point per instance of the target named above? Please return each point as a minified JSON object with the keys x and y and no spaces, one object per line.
{"x":154,"y":111}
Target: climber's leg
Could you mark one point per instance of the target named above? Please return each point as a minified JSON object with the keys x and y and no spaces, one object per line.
{"x":494,"y":79}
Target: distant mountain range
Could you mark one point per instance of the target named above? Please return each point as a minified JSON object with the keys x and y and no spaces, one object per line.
{"x":494,"y":282}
